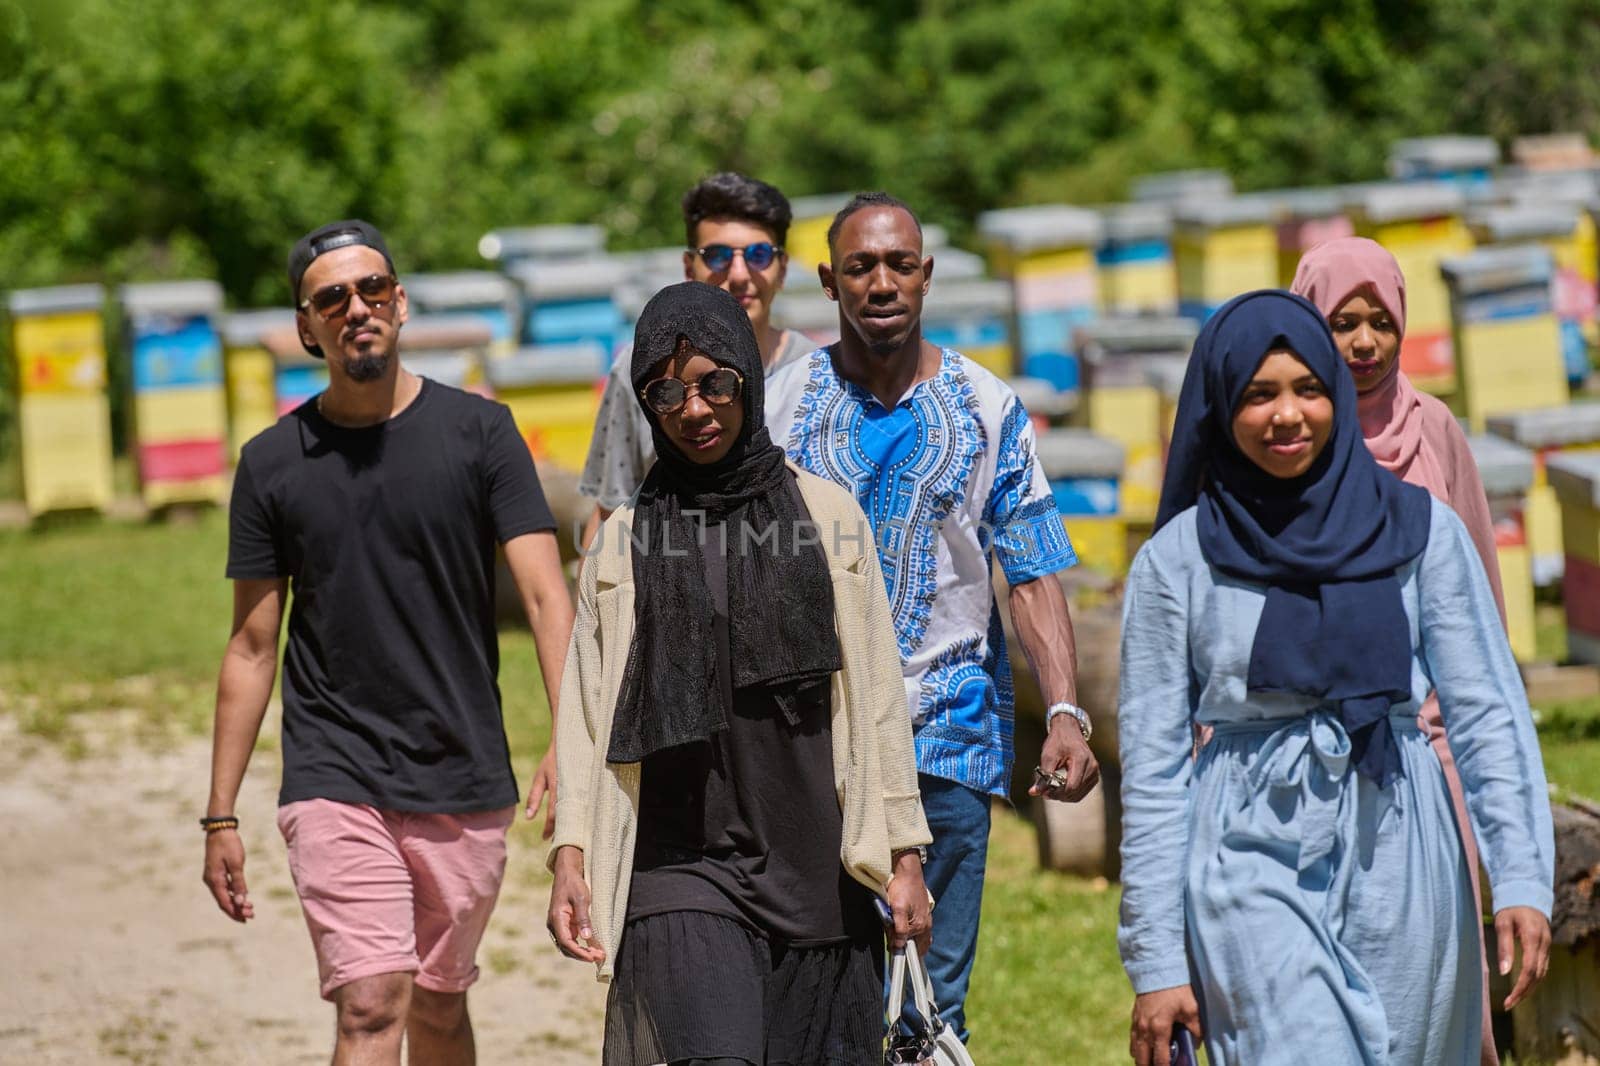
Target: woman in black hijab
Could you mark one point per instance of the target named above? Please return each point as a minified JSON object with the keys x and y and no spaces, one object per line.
{"x":735,"y":758}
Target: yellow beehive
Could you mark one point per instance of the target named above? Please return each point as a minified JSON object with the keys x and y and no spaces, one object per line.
{"x":1420,"y":224}
{"x":807,"y":243}
{"x":1223,"y":248}
{"x":553,"y":392}
{"x":1506,"y":338}
{"x":251,"y":373}
{"x":63,"y":414}
{"x":1548,"y":432}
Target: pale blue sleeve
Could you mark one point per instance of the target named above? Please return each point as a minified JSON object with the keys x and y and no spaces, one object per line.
{"x":1156,"y":738}
{"x":1486,"y":717}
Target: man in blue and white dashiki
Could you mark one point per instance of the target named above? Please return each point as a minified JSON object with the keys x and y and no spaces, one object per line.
{"x":941,"y":457}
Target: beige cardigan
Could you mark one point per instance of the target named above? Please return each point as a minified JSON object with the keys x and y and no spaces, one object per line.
{"x":874,"y":763}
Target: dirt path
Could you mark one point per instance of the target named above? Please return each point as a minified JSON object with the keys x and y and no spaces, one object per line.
{"x":113,"y":951}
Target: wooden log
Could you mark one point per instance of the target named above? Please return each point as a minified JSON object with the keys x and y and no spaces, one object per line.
{"x":1560,"y":1023}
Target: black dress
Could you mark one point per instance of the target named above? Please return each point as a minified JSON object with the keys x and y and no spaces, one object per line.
{"x":745,"y":939}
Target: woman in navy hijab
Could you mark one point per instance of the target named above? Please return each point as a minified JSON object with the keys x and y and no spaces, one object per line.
{"x":1293,"y":890}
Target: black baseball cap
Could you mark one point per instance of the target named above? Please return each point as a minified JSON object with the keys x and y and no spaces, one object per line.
{"x":325,"y":239}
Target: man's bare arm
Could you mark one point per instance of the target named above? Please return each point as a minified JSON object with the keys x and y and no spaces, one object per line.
{"x":535,"y":563}
{"x":1044,"y":629}
{"x":244,"y":686}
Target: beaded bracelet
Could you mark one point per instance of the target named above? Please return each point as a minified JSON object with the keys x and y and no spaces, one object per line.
{"x":226,"y":821}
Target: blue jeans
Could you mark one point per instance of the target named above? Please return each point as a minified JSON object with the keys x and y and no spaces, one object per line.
{"x":959,"y":819}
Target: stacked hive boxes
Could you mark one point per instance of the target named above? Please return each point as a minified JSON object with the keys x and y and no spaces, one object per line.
{"x":1465,"y":161}
{"x":471,"y":295}
{"x":1181,"y":186}
{"x":572,"y":302}
{"x":1167,"y":380}
{"x":1048,"y":253}
{"x":63,"y":414}
{"x":1576,"y":480}
{"x":1046,"y":405}
{"x":251,"y":371}
{"x":1223,"y":248}
{"x":299,"y":375}
{"x":971,"y":316}
{"x":1555,"y":227}
{"x":1307,"y":218}
{"x":1085,"y":472}
{"x":449,"y":349}
{"x":1507,"y":473}
{"x":180,"y":410}
{"x":1547,"y":432}
{"x":1121,"y":403}
{"x":1137,"y":274}
{"x":520,"y":244}
{"x":553,"y":391}
{"x":807,"y":243}
{"x":1507,"y":343}
{"x":1421,"y":226}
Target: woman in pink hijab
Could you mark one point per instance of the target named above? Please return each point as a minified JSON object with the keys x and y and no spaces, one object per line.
{"x":1359,"y":287}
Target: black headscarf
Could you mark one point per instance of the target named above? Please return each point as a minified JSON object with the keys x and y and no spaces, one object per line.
{"x":780,"y":598}
{"x":1326,"y":544}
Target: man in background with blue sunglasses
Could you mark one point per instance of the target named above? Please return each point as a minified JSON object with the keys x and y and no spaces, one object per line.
{"x":735,"y":227}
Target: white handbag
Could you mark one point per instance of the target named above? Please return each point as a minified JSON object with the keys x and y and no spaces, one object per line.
{"x":933,"y":1041}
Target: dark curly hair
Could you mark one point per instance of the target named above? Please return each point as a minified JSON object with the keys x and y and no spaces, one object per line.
{"x":734,"y":196}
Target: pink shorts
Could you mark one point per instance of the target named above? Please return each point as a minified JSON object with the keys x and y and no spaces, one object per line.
{"x":394,"y":891}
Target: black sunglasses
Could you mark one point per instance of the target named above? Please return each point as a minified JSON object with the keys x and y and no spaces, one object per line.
{"x":331,"y":301}
{"x":718,"y":387}
{"x":719,"y":257}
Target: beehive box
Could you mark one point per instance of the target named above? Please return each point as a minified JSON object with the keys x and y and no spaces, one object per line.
{"x":1122,"y":405}
{"x":63,"y":412}
{"x":251,"y":371}
{"x":1223,"y":248}
{"x":474,"y":296}
{"x":571,"y":302}
{"x":1421,"y":226}
{"x":807,"y":243}
{"x":517,"y":244}
{"x":180,"y":409}
{"x":1048,"y":254}
{"x":971,"y":316}
{"x":1465,"y":160}
{"x":1507,"y":473}
{"x":553,"y":392}
{"x":1547,"y":432}
{"x":1575,"y":477}
{"x":1506,"y":339}
{"x":1305,"y":219}
{"x":1137,"y":272}
{"x":1085,"y":470}
{"x":1555,"y":226}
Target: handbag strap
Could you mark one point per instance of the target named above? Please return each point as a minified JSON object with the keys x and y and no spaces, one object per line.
{"x":906,"y":968}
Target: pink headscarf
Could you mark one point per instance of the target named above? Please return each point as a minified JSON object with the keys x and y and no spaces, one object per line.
{"x":1393,"y":417}
{"x":1410,"y":434}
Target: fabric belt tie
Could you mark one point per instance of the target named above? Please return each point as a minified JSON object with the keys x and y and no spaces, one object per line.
{"x":1309,"y":755}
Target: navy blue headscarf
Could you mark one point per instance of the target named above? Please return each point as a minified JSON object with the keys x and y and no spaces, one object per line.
{"x":1326,"y":544}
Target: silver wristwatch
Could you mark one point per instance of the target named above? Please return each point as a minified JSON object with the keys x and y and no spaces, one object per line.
{"x":1078,"y":714}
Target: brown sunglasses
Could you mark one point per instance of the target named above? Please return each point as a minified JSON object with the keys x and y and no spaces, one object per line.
{"x":332,"y":301}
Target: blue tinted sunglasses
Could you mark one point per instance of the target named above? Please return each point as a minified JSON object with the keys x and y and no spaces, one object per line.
{"x":719,"y":257}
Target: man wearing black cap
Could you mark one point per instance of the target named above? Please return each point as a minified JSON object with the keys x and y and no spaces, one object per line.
{"x":381,"y":501}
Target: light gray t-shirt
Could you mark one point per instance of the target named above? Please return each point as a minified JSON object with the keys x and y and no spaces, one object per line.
{"x":621,"y":451}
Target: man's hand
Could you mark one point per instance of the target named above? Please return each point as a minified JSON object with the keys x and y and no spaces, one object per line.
{"x":568,"y":919}
{"x":543,"y":788}
{"x":1530,"y":929}
{"x":908,"y":902}
{"x":1155,"y":1016}
{"x":1066,"y":751}
{"x":224,"y":874}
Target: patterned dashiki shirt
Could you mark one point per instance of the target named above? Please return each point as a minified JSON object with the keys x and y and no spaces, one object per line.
{"x":948,"y":479}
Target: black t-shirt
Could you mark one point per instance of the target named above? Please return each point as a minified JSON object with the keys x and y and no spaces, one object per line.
{"x":748,"y":825}
{"x":387,"y":534}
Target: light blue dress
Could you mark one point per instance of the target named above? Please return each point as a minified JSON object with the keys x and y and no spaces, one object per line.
{"x":1319,"y":918}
